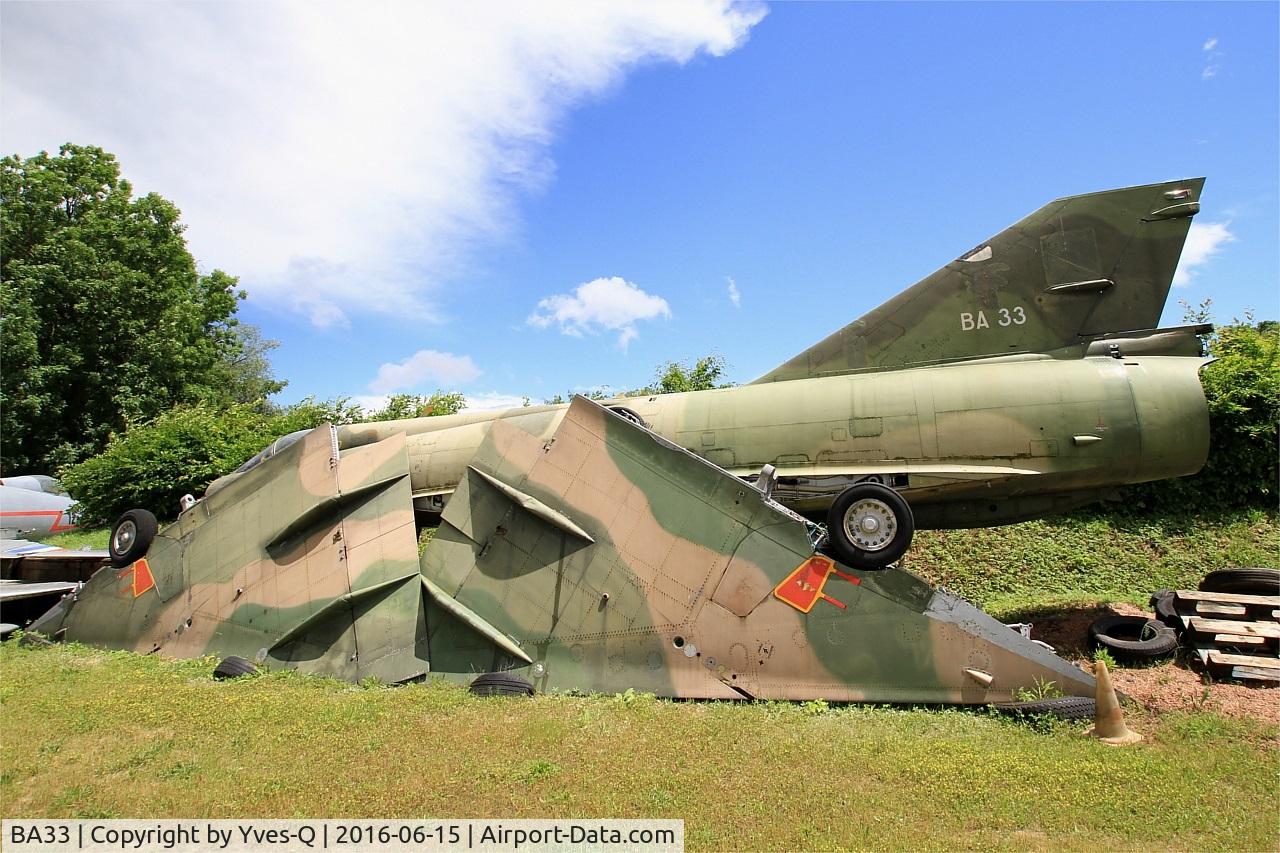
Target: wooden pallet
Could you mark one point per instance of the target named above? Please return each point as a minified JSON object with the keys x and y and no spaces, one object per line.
{"x":1233,"y":634}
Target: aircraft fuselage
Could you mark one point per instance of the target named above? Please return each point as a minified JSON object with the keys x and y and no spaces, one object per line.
{"x":968,"y":444}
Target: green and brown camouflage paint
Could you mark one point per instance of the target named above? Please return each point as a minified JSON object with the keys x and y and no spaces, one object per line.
{"x":600,"y":558}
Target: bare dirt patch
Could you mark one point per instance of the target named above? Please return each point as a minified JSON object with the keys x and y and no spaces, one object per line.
{"x":1173,"y":685}
{"x":1068,"y":630}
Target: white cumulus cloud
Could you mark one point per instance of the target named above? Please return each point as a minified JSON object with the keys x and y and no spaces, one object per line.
{"x":339,"y":157}
{"x":735,"y":295}
{"x":489,"y":401}
{"x":1204,"y":241}
{"x":424,"y":367}
{"x":604,"y":304}
{"x":371,"y":402}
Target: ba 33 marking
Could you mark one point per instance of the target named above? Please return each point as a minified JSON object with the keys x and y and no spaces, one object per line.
{"x":1003,"y":317}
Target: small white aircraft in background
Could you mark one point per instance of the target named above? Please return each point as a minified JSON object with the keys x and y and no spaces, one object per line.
{"x":33,"y":575}
{"x":34,"y":505}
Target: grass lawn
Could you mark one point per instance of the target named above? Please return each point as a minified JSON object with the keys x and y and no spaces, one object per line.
{"x":1090,"y":557}
{"x":90,"y":733}
{"x":75,"y":540}
{"x":94,"y":733}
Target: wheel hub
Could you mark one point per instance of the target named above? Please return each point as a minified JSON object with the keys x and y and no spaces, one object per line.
{"x":124,"y":536}
{"x":870,"y":524}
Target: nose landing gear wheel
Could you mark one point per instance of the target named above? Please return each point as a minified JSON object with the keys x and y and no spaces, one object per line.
{"x":869,"y":526}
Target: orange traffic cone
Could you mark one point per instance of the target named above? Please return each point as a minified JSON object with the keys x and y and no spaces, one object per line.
{"x":1108,"y":723}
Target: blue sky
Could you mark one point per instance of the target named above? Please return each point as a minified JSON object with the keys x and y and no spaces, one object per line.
{"x":415,"y":196}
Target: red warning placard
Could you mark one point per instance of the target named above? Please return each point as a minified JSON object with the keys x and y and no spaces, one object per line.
{"x":803,"y":587}
{"x":143,"y":580}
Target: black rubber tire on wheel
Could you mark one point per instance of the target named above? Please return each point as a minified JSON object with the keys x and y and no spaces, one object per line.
{"x":32,"y":640}
{"x":893,"y":511}
{"x":234,"y":667}
{"x":1244,"y":581}
{"x":1162,"y":604}
{"x":501,"y":684}
{"x":1062,"y":707}
{"x":1133,"y":639}
{"x":131,"y":536}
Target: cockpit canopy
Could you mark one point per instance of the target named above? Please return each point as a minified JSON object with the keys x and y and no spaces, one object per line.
{"x":271,"y":450}
{"x":262,"y":456}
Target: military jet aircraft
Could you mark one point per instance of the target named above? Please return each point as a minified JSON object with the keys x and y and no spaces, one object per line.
{"x":599,"y":558}
{"x":1024,"y":378}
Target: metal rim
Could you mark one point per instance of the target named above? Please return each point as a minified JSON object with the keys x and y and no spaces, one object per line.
{"x":870,"y":524}
{"x":124,"y":537}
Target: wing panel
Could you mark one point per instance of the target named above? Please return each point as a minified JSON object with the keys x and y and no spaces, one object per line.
{"x":279,"y":553}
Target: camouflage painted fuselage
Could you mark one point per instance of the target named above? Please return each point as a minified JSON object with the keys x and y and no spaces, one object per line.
{"x":966,"y":444}
{"x":599,"y":558}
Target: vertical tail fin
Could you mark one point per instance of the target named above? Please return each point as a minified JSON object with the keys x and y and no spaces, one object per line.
{"x":1079,"y":267}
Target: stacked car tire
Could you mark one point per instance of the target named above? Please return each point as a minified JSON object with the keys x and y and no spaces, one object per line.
{"x":1139,"y":639}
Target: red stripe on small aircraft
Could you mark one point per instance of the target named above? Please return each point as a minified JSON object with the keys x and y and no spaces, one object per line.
{"x":56,"y":527}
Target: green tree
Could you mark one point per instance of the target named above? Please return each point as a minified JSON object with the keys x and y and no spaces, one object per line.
{"x":401,"y":406}
{"x":243,"y":373}
{"x":104,"y":320}
{"x":670,"y":377}
{"x":674,"y":377}
{"x":1242,"y":388}
{"x":594,"y":394}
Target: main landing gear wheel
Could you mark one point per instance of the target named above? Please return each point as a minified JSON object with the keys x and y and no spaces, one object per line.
{"x":131,"y":537}
{"x":869,"y":526}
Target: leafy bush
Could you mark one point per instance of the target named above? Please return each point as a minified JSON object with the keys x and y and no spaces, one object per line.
{"x":152,"y":465}
{"x":1243,"y":388}
{"x":181,"y":452}
{"x":416,"y":406}
{"x":1243,"y":392}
